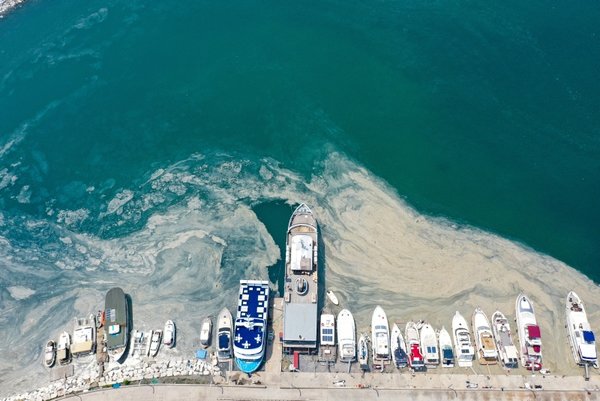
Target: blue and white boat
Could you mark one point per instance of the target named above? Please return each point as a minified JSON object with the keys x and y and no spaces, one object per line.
{"x":249,"y":341}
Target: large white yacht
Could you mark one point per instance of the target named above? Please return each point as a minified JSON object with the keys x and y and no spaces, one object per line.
{"x":462,"y":341}
{"x":301,"y":283}
{"x":530,"y":336}
{"x":581,"y":336}
{"x":429,"y":346}
{"x":380,"y":336}
{"x":507,"y":351}
{"x":346,"y":336}
{"x":484,"y":338}
{"x":446,"y":353}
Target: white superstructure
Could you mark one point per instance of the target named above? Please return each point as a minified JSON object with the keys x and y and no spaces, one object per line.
{"x":484,"y":338}
{"x":380,"y":336}
{"x":507,"y":351}
{"x":581,"y":336}
{"x":530,"y":337}
{"x":327,"y":329}
{"x":346,"y":335}
{"x":429,"y":346}
{"x":463,"y":344}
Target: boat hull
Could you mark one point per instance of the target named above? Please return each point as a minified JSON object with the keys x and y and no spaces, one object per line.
{"x":581,"y":337}
{"x":248,"y":365}
{"x":346,"y":336}
{"x":529,"y":334}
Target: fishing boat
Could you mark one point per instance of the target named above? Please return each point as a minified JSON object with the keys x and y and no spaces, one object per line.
{"x":169,"y":334}
{"x":63,"y":349}
{"x":530,"y":337}
{"x":249,"y":341}
{"x":398,"y":347}
{"x":484,"y":338}
{"x":50,"y":354}
{"x":463,"y":344}
{"x":332,"y":297}
{"x":155,"y":342}
{"x":415,"y":358}
{"x":429,"y":346}
{"x":346,"y":336}
{"x":116,"y":308}
{"x":363,"y":351}
{"x":84,"y":336}
{"x":300,"y":294}
{"x":581,"y":336}
{"x":446,"y":353}
{"x":206,"y":332}
{"x":224,"y":334}
{"x":380,"y":336}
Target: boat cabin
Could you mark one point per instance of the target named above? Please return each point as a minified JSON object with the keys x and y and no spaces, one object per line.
{"x":416,"y":359}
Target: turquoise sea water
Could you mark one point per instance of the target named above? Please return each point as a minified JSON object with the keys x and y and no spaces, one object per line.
{"x":117,"y":115}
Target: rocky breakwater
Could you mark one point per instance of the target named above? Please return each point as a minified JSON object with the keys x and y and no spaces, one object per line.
{"x":119,"y":374}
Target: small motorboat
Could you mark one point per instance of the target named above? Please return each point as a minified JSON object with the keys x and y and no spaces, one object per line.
{"x":446,"y":353}
{"x":415,"y":358}
{"x":206,"y":332}
{"x":363,"y":351}
{"x":224,"y":334}
{"x":398,"y":347}
{"x":63,"y":350}
{"x":332,"y":297}
{"x":169,"y":334}
{"x":155,"y":342}
{"x":50,"y":354}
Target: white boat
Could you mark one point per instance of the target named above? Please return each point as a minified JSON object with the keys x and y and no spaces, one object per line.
{"x":530,"y":337}
{"x":84,"y":336}
{"x":398,"y":347}
{"x":50,"y":354}
{"x":363,"y":351}
{"x":169,"y":334}
{"x":581,"y":336}
{"x":415,"y":358}
{"x":380,"y":335}
{"x":332,"y":297}
{"x":429,"y":346}
{"x":224,"y":334}
{"x":147,"y":342}
{"x":346,"y":336}
{"x":137,"y":340}
{"x":155,"y":342}
{"x":507,"y":352}
{"x":327,"y":332}
{"x":463,"y":345}
{"x":446,"y":352}
{"x":63,"y":349}
{"x":484,"y":338}
{"x":206,"y":332}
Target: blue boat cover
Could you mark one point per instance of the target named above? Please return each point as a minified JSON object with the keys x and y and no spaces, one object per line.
{"x":448,"y":353}
{"x":223,"y":341}
{"x":588,"y":336}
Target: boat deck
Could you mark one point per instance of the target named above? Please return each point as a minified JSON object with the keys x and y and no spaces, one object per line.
{"x":116,"y":318}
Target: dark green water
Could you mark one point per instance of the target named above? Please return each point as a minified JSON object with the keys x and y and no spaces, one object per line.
{"x":483,"y":113}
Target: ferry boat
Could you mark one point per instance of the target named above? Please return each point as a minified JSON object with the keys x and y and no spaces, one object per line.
{"x":249,"y":341}
{"x":446,"y":353}
{"x":429,"y":346}
{"x":50,"y":354}
{"x":530,"y":337}
{"x":363,"y":351}
{"x":462,"y":341}
{"x":415,"y":359}
{"x":301,"y":283}
{"x":206,"y":332}
{"x":116,"y":309}
{"x":63,"y":350}
{"x":169,"y":334}
{"x":398,"y":347}
{"x":155,"y":343}
{"x":84,"y":336}
{"x":581,"y":336}
{"x":346,"y":336}
{"x":380,"y":336}
{"x":507,"y":352}
{"x":484,"y":338}
{"x":224,"y":334}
